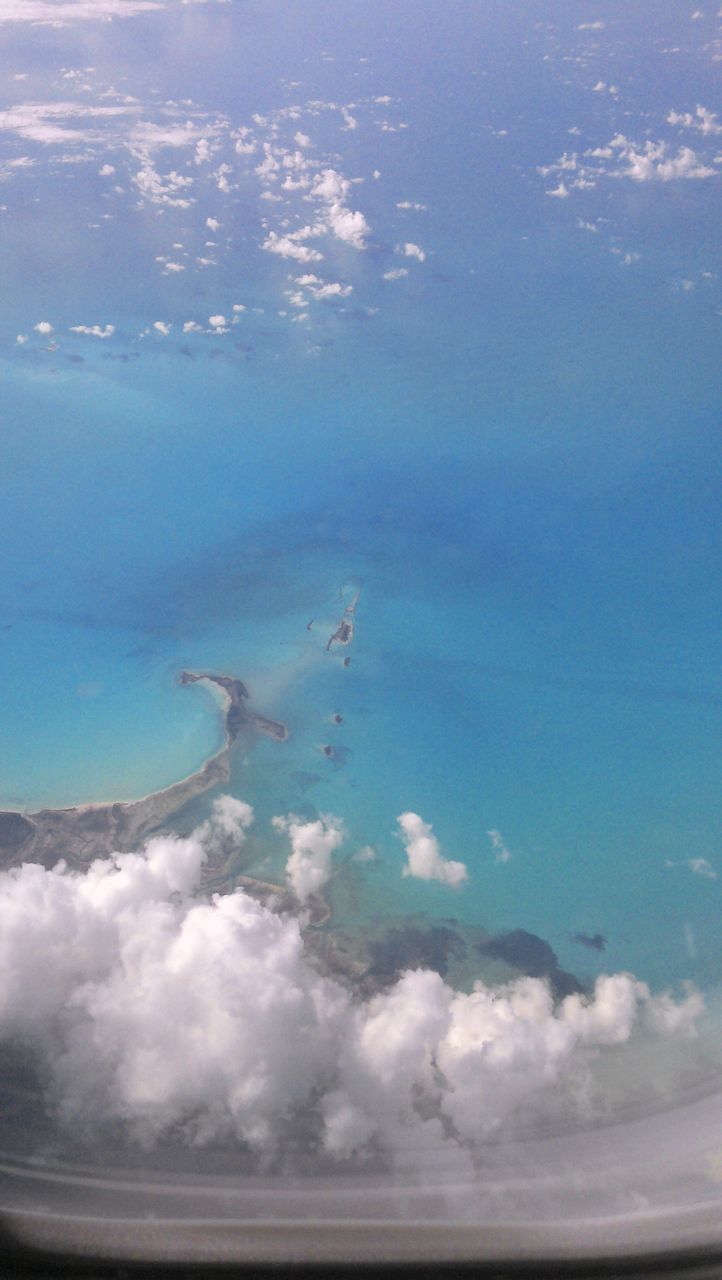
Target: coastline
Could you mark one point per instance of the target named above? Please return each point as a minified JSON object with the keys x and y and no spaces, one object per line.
{"x":81,"y":832}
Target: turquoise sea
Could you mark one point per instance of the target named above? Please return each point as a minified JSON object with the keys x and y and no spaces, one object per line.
{"x":514,"y":448}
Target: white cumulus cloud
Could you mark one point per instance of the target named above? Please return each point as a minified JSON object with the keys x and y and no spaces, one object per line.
{"x":94,"y":330}
{"x":348,"y":225}
{"x":291,"y":246}
{"x":148,"y":1005}
{"x":308,"y":868}
{"x":425,"y":859}
{"x":654,"y":162}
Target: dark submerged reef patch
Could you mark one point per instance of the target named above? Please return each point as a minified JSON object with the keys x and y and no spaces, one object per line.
{"x":532,"y":956}
{"x":595,"y":941}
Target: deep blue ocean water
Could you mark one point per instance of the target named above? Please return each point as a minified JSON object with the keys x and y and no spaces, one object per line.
{"x":514,"y":448}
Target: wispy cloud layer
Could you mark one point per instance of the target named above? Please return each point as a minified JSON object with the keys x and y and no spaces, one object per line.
{"x":62,"y":12}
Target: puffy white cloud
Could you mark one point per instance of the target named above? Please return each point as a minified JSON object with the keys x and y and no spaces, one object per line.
{"x":267,"y":167}
{"x":203,"y":151}
{"x":43,"y":326}
{"x":673,"y":1018}
{"x":192,"y":326}
{"x":150,"y":1006}
{"x":476,"y":1059}
{"x":161,"y":189}
{"x":291,"y":246}
{"x":21,"y":339}
{"x":318,"y":289}
{"x":411,"y":250}
{"x":227,"y":827}
{"x":162,"y":327}
{"x":217,"y":322}
{"x":244,"y":144}
{"x":221,"y":177}
{"x":425,"y":860}
{"x":94,"y":330}
{"x":333,"y":290}
{"x":106,"y":170}
{"x":703,"y":120}
{"x":346,"y":224}
{"x":623,"y":158}
{"x":308,"y":868}
{"x":165,"y":1010}
{"x":330,"y":185}
{"x":653,"y":161}
{"x":397,"y":273}
{"x":213,"y":224}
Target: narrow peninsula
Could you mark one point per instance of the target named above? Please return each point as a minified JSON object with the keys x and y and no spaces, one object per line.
{"x":82,"y":832}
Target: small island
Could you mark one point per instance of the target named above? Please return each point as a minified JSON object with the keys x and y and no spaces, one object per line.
{"x":344,"y":631}
{"x":238,"y":715}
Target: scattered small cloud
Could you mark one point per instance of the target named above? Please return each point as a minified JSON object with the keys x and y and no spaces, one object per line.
{"x":366,"y":854}
{"x":411,"y":250}
{"x":94,"y":330}
{"x":308,"y":868}
{"x":292,"y":246}
{"x":501,"y":853}
{"x":702,"y":120}
{"x":698,"y":866}
{"x":425,"y":860}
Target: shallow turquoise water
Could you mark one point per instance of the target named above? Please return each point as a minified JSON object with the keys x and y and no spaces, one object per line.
{"x":515,"y":450}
